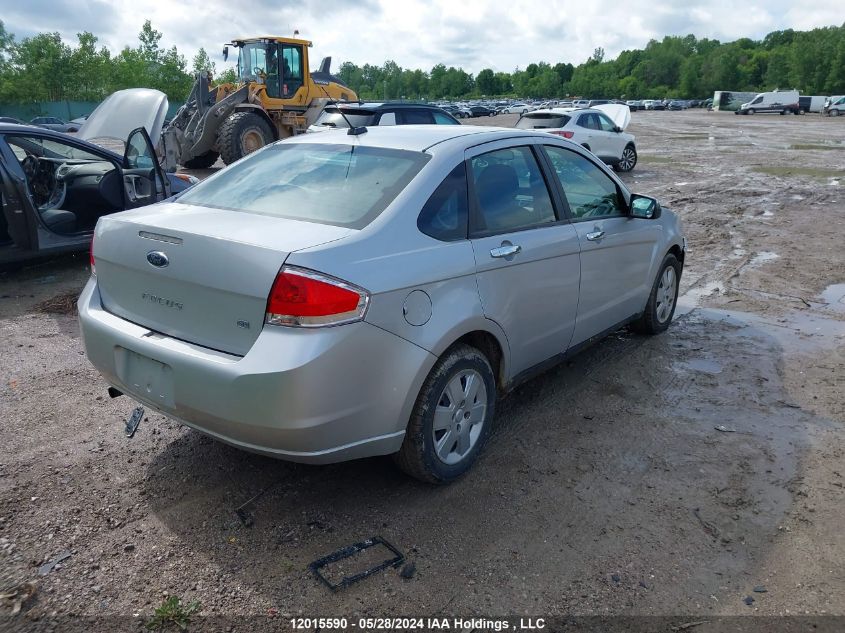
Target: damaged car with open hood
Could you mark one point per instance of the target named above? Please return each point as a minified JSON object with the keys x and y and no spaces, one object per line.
{"x":54,"y":187}
{"x":600,"y":129}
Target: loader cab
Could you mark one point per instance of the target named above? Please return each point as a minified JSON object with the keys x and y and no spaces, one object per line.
{"x":278,"y":63}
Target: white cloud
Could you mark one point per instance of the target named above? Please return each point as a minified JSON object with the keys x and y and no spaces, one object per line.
{"x":472,"y":34}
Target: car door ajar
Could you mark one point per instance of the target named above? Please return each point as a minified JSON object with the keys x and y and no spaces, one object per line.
{"x":142,"y":176}
{"x":616,"y":250}
{"x":527,"y":260}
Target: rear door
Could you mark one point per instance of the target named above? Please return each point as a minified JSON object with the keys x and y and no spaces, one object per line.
{"x":616,"y":250}
{"x":527,"y":255}
{"x":142,"y":176}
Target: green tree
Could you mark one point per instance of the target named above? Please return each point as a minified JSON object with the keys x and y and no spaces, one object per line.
{"x":202,"y":63}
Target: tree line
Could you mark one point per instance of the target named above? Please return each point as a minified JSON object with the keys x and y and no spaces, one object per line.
{"x":44,"y":68}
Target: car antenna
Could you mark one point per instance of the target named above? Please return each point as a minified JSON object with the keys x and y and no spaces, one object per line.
{"x":353,"y":131}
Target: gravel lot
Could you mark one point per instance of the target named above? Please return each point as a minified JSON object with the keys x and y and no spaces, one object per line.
{"x":607,"y":489}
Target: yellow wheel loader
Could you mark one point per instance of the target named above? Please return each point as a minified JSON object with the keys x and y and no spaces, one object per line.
{"x":276,"y":96}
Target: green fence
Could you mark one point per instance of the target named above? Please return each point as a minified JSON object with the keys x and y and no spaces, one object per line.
{"x":66,"y":110}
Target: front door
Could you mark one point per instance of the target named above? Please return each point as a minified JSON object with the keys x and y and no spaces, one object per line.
{"x":142,"y":175}
{"x":526,"y":254}
{"x":15,"y":224}
{"x":616,"y":249}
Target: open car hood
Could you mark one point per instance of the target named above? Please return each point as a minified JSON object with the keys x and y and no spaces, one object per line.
{"x":124,"y":111}
{"x":619,"y":113}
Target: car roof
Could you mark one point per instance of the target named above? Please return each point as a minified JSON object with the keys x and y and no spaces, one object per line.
{"x":384,"y":105}
{"x":560,"y":111}
{"x":416,"y":138}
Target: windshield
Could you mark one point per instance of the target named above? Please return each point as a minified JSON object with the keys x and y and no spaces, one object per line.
{"x":542,"y":120}
{"x":333,"y":117}
{"x":342,"y":185}
{"x":252,"y":58}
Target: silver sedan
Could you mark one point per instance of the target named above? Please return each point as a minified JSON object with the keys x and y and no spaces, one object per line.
{"x":336,"y":296}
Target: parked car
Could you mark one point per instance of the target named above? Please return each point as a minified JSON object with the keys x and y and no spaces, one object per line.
{"x":677,"y":105}
{"x":337,"y":116}
{"x":835,"y":106}
{"x":634,"y":105}
{"x":244,"y":307}
{"x":55,"y":123}
{"x":580,"y":103}
{"x":599,"y":129}
{"x":516,"y":108}
{"x":478,"y":110}
{"x":775,"y":102}
{"x":594,"y":102}
{"x":55,"y":187}
{"x":9,"y":119}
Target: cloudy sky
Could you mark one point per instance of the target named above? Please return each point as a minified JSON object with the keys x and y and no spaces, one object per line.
{"x":473,"y":34}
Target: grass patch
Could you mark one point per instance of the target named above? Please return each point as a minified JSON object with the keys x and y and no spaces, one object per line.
{"x":801,"y":171}
{"x":173,"y":613}
{"x":654,"y":159}
{"x":816,"y":146}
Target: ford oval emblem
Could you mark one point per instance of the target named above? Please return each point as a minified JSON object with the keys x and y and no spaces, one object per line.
{"x":158,"y":259}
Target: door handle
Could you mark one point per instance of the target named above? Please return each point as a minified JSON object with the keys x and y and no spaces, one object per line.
{"x":595,"y":236}
{"x":506,"y":250}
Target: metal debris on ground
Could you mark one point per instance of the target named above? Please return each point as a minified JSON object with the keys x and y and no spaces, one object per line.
{"x":133,"y":421}
{"x":760,"y":589}
{"x":47,"y":567}
{"x":246,"y":517}
{"x":408,"y":571}
{"x":319,"y":565}
{"x":749,"y":600}
{"x":724,"y":429}
{"x":689,"y":625}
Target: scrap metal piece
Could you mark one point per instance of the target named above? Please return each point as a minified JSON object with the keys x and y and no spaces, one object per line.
{"x":47,"y":567}
{"x":346,"y":552}
{"x":133,"y":421}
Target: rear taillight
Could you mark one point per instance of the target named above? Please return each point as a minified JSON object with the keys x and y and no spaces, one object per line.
{"x":303,"y":298}
{"x":564,"y":133}
{"x":91,"y":257}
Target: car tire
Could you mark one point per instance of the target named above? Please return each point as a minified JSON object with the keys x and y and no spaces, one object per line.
{"x":834,"y":113}
{"x":750,"y":112}
{"x":203,"y":161}
{"x":436,"y":455}
{"x":242,"y":133}
{"x":663,"y":298}
{"x":628,"y":160}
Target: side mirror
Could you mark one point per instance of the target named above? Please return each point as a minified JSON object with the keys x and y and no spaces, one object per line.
{"x":617,"y":129}
{"x":225,"y":53}
{"x":644,"y":207}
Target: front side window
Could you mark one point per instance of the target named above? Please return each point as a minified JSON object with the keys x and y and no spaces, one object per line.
{"x":443,"y":119}
{"x":589,"y":192}
{"x":444,"y":216}
{"x":606,"y":124}
{"x":510,"y":192}
{"x":342,"y":185}
{"x":416,"y":117}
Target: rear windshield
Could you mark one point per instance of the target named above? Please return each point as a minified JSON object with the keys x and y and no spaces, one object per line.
{"x":342,"y":185}
{"x":334,"y":118}
{"x":540,"y":120}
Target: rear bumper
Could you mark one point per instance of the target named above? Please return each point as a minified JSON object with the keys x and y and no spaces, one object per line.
{"x":314,"y":396}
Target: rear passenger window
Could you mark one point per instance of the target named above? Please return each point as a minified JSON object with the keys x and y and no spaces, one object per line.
{"x":589,"y":192}
{"x":510,"y":192}
{"x":444,"y":216}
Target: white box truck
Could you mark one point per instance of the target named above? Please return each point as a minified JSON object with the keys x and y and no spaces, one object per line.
{"x":775,"y":102}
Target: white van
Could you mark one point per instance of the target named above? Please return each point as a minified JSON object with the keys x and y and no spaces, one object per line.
{"x":777,"y":101}
{"x":835,"y":106}
{"x":811,"y":104}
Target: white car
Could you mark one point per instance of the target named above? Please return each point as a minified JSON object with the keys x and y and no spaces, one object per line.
{"x":516,"y":108}
{"x":580,"y":103}
{"x":599,"y":129}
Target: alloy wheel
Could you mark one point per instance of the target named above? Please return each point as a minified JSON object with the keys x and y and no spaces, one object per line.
{"x":666,"y":292}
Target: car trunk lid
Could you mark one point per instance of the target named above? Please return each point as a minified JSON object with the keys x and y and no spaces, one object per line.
{"x":197,"y":274}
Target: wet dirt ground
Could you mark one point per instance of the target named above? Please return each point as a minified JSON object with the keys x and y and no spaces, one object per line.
{"x":669,"y":475}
